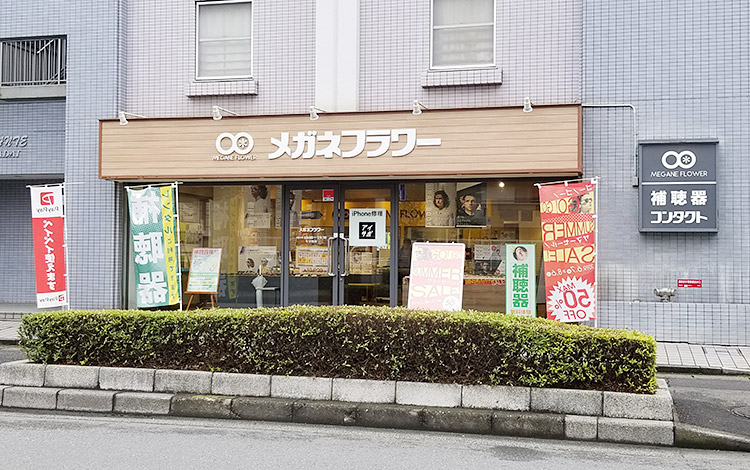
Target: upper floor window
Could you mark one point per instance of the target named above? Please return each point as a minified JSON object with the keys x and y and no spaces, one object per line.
{"x":224,"y":48}
{"x":463,"y":33}
{"x":32,"y":67}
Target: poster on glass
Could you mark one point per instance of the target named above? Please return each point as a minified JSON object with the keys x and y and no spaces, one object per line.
{"x":471,"y":207}
{"x":440,"y":205}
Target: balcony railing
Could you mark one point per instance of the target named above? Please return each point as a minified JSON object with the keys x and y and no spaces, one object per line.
{"x":33,"y":62}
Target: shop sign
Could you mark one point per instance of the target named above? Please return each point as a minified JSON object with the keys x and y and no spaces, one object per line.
{"x":152,"y":223}
{"x":311,"y":260}
{"x":309,"y":144}
{"x":48,"y":226}
{"x":367,"y":227}
{"x":520,"y":277}
{"x":568,"y":238}
{"x":436,"y":278}
{"x":678,"y":187}
{"x":205,"y":267}
{"x":328,"y":195}
{"x":12,"y":145}
{"x":690,"y":283}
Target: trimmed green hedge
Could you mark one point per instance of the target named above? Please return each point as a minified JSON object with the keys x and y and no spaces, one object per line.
{"x":352,"y":341}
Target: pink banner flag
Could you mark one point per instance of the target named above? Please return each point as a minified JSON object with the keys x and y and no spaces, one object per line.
{"x":568,"y":239}
{"x":48,"y":223}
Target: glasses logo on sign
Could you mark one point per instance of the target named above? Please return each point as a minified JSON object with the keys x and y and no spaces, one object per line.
{"x":241,"y":144}
{"x":685,"y":159}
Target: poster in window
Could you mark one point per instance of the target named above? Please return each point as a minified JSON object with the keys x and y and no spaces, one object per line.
{"x":471,"y":207}
{"x":440,"y":204}
{"x":258,"y":260}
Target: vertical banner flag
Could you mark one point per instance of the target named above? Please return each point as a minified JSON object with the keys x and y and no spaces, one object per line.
{"x":568,"y":237}
{"x":152,"y":224}
{"x":436,"y":278}
{"x":520,"y":280}
{"x":47,"y":216}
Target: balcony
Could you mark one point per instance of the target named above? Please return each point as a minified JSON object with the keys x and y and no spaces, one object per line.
{"x":33,"y":68}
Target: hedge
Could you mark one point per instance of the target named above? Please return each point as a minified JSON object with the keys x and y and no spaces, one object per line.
{"x":363,"y":342}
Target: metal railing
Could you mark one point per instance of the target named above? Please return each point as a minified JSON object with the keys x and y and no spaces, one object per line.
{"x":37,"y":61}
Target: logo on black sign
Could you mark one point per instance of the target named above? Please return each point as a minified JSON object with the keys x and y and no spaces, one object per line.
{"x":367,"y":230}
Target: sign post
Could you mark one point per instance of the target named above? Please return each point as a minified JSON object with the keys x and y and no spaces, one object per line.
{"x":520,"y":277}
{"x":48,"y":223}
{"x":153,"y":227}
{"x":205,"y":267}
{"x":678,"y":187}
{"x":568,"y":215}
{"x":436,"y":279}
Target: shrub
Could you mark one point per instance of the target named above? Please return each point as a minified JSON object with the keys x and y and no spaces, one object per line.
{"x":351,"y":341}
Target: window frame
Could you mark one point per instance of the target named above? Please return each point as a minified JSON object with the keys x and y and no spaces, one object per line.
{"x":198,"y":5}
{"x":491,"y":64}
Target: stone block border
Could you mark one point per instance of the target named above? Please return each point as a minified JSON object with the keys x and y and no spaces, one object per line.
{"x":514,"y":411}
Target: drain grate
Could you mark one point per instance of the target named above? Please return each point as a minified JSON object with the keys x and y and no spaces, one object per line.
{"x":743,"y":411}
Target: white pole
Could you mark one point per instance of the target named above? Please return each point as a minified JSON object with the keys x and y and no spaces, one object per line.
{"x":65,"y":244}
{"x":595,"y":182}
{"x":177,"y":229}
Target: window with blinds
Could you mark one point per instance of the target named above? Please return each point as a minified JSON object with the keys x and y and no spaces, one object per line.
{"x":224,"y":40}
{"x":463,"y":33}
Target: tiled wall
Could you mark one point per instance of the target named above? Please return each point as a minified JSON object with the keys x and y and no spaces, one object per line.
{"x":161,"y":61}
{"x":16,"y":244}
{"x":93,"y":206}
{"x":684,"y":70}
{"x":538,"y":51}
{"x":44,"y":123}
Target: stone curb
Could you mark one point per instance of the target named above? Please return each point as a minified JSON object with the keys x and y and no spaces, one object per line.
{"x":696,"y":437}
{"x":546,"y":400}
{"x":675,"y":369}
{"x":428,"y":418}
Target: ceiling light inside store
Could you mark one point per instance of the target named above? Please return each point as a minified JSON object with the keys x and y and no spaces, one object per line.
{"x":501,"y":184}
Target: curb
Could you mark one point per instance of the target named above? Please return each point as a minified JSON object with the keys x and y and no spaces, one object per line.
{"x":667,"y":369}
{"x":696,"y":437}
{"x":584,"y":415}
{"x":372,"y":415}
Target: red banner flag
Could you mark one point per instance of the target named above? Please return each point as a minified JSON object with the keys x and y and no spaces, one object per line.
{"x":568,"y":238}
{"x":48,"y":225}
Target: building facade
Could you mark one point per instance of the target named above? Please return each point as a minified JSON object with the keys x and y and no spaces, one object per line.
{"x":328,"y":109}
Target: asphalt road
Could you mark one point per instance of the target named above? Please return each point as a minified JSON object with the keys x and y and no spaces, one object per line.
{"x":712,"y":401}
{"x":62,"y":441}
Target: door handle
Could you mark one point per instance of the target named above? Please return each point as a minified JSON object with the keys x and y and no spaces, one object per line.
{"x":346,"y":256}
{"x":331,"y":241}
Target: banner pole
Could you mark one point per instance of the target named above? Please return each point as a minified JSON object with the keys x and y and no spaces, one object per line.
{"x":595,"y":182}
{"x":175,"y":186}
{"x":65,"y":244}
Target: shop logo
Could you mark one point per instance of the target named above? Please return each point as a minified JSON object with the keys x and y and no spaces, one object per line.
{"x":242,"y":143}
{"x":367,"y":230}
{"x":47,"y":199}
{"x":685,"y":159}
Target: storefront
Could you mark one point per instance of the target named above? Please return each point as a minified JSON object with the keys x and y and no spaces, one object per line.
{"x":326,"y":210}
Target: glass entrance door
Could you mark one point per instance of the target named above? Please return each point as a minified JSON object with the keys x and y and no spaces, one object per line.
{"x":339,"y":245}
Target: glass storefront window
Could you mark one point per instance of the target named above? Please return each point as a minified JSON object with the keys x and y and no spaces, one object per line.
{"x":245,"y":222}
{"x":485,"y":216}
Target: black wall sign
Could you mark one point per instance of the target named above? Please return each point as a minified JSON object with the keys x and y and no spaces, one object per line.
{"x":678,"y":187}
